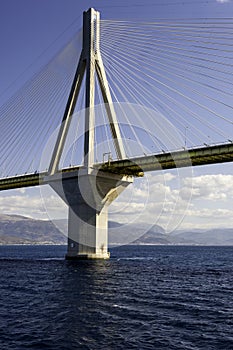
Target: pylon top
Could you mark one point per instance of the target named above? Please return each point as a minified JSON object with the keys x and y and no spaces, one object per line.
{"x":90,"y":61}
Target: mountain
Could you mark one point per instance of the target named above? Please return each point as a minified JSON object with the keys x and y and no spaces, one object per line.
{"x":209,"y":237}
{"x":136,"y":234}
{"x":140,"y":234}
{"x":16,"y":229}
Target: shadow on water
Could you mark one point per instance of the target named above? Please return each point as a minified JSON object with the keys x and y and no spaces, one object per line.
{"x":80,"y":303}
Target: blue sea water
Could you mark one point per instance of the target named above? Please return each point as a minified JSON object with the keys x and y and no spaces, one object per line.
{"x":144,"y":297}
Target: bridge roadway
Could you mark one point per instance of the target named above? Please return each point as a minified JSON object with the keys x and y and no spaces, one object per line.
{"x":135,"y":166}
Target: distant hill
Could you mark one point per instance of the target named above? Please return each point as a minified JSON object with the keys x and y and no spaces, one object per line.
{"x":16,"y":229}
{"x":136,"y":234}
{"x":157,"y":235}
{"x":209,"y":237}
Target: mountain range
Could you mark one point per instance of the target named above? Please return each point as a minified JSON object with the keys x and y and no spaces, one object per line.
{"x":16,"y":229}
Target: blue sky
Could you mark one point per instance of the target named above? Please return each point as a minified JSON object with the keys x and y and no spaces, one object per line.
{"x":31,"y":32}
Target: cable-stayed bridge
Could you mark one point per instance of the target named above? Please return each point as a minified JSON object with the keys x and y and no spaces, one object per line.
{"x":120,"y":99}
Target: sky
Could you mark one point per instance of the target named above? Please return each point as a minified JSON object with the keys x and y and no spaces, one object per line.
{"x":31,"y":32}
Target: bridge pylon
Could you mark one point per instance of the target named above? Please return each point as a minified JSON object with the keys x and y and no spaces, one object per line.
{"x":88,"y":192}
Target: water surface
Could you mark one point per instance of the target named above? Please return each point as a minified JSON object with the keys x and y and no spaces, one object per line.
{"x":145,"y":297}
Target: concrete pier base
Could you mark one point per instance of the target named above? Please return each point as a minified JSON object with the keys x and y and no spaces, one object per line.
{"x":88,"y":197}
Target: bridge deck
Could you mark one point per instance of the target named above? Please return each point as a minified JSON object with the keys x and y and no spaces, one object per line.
{"x":136,"y":166}
{"x":178,"y":159}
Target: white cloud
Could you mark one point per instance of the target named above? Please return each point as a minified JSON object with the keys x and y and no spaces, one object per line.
{"x":30,"y":203}
{"x":153,"y":200}
{"x":209,"y":187}
{"x":22,"y":205}
{"x":222,"y":1}
{"x":170,"y":207}
{"x":21,"y":190}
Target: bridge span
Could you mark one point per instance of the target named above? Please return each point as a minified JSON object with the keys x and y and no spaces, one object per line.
{"x":135,"y":166}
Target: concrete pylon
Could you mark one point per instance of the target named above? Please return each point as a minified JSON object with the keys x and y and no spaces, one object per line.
{"x":89,"y":192}
{"x":90,"y":61}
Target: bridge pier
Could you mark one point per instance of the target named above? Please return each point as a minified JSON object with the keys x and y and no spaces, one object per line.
{"x":88,"y":197}
{"x":90,"y":192}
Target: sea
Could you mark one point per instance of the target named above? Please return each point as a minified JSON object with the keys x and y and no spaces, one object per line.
{"x":144,"y":297}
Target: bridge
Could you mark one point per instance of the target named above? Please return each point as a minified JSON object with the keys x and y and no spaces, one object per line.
{"x":89,"y":188}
